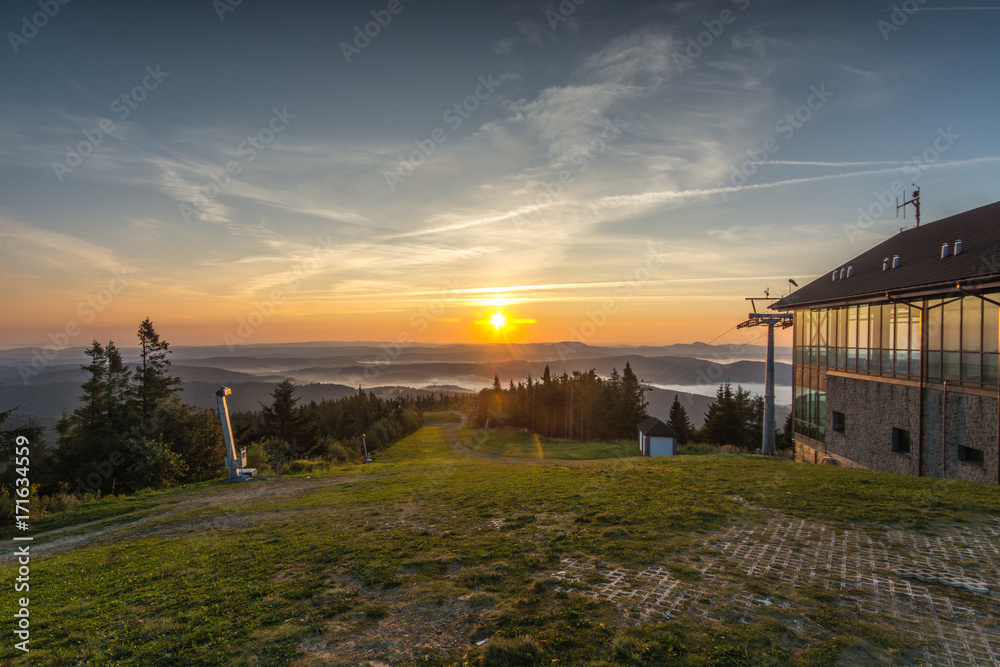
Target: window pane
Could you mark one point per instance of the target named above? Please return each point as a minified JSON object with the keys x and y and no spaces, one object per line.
{"x":852,"y":358}
{"x":934,"y":313}
{"x":863,"y":354}
{"x":951,"y":369}
{"x":888,"y":312}
{"x":952,"y":318}
{"x":902,"y":341}
{"x":821,"y":333}
{"x":990,"y":325}
{"x":915,"y":363}
{"x":990,"y":369}
{"x":842,"y":333}
{"x":875,"y":327}
{"x":972,"y":323}
{"x":863,"y":340}
{"x":902,"y":362}
{"x":852,"y":327}
{"x":934,"y":365}
{"x":970,"y":367}
{"x":886,"y":361}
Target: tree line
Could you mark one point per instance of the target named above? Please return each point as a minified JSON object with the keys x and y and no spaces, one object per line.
{"x":581,"y":406}
{"x":339,"y":431}
{"x":734,"y":418}
{"x":133,"y":432}
{"x":584,"y":406}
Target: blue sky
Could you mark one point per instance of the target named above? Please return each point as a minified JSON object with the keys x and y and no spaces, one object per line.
{"x":405,"y":185}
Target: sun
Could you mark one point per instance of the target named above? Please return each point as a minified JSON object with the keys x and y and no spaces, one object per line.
{"x":498,"y":320}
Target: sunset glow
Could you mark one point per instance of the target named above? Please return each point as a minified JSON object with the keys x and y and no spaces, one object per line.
{"x":593,"y":172}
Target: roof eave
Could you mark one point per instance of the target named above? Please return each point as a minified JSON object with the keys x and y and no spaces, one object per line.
{"x":975,"y":284}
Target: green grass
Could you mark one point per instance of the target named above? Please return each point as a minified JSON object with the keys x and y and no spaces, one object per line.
{"x":427,"y":541}
{"x":444,"y":417}
{"x":518,"y":443}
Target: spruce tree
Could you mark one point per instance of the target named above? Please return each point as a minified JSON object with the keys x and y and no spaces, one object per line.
{"x":281,"y":418}
{"x":679,"y":421}
{"x":93,"y":411}
{"x":154,"y":387}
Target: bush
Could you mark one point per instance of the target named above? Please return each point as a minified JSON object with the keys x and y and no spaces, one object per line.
{"x":305,"y":466}
{"x":257,"y":457}
{"x":149,"y":463}
{"x":516,"y":652}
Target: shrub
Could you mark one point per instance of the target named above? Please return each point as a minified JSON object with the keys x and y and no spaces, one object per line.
{"x":150,"y":463}
{"x":305,"y":466}
{"x":516,"y":652}
{"x":257,"y":457}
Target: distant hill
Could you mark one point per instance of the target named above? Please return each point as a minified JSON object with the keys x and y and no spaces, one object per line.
{"x":335,"y":369}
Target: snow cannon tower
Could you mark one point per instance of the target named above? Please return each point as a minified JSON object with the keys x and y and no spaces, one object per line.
{"x":236,"y":465}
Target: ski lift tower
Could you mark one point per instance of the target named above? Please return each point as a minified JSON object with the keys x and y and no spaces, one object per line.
{"x":770,"y":320}
{"x":235,"y":464}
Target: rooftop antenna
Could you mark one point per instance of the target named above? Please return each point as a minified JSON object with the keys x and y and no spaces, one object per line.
{"x":770,"y":320}
{"x":915,"y":201}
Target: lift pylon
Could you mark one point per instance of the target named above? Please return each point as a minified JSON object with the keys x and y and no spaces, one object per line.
{"x":770,"y":320}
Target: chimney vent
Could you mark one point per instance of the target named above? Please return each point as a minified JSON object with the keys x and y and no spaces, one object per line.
{"x":885,"y":263}
{"x":958,"y":247}
{"x":895,"y":261}
{"x":850,"y":271}
{"x":944,"y":250}
{"x":834,"y":276}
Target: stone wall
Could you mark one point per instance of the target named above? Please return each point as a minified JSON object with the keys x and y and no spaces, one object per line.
{"x":874,"y":406}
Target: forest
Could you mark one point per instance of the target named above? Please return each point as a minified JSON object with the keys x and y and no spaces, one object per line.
{"x":132,"y":431}
{"x":586,"y":407}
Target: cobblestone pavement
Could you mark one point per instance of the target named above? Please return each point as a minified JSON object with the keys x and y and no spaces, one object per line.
{"x":924,"y":586}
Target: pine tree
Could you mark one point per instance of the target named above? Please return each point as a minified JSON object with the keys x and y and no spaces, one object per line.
{"x":679,"y":421}
{"x":281,"y":418}
{"x":721,"y":422}
{"x":117,"y":389}
{"x":154,"y":386}
{"x":786,"y":440}
{"x":633,"y":411}
{"x":93,"y":411}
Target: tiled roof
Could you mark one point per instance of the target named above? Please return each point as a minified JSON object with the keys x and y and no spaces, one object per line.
{"x":655,"y":428}
{"x":920,"y":262}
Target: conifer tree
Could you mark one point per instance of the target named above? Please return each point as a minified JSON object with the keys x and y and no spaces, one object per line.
{"x":679,"y":421}
{"x":281,"y":418}
{"x":154,"y":387}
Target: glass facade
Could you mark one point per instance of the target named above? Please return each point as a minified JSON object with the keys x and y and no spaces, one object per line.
{"x":885,"y":340}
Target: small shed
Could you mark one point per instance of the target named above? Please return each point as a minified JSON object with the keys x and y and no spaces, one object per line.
{"x":656,"y":438}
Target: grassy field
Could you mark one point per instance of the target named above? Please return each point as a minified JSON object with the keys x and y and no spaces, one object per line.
{"x":442,"y":417}
{"x":518,"y":443}
{"x":419,"y":557}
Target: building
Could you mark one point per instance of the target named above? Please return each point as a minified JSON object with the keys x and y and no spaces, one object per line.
{"x":657,"y":439}
{"x":896,"y":354}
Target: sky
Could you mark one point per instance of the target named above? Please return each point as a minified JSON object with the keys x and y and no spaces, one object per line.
{"x":608,"y":172}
